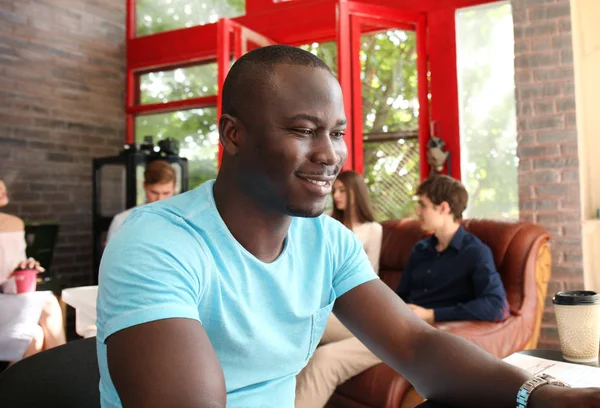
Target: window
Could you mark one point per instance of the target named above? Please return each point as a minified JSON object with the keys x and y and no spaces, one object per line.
{"x":178,"y":84}
{"x":488,"y":130}
{"x":196,"y":132}
{"x":155,"y":16}
{"x":390,"y":117}
{"x":390,"y":121}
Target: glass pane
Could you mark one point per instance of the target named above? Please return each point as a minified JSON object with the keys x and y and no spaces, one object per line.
{"x":155,"y":16}
{"x":196,"y":132}
{"x":390,"y":121}
{"x":326,"y":51}
{"x":392,"y":174}
{"x":389,"y":76}
{"x":488,"y":129}
{"x":178,"y":84}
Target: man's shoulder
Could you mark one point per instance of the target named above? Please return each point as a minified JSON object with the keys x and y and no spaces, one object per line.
{"x":185,"y":205}
{"x":175,"y":220}
{"x":473,"y":244}
{"x":120,"y":217}
{"x":471,"y":239}
{"x":423,"y":244}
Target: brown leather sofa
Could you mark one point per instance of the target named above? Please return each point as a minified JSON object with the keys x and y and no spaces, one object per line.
{"x":522,"y":254}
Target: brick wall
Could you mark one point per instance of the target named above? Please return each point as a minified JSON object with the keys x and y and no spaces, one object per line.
{"x":62,"y":68}
{"x":547,"y":140}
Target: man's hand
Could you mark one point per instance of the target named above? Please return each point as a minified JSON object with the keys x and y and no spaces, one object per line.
{"x":427,"y":315}
{"x":550,"y":396}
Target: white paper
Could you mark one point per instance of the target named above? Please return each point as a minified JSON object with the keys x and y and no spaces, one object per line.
{"x":576,"y":375}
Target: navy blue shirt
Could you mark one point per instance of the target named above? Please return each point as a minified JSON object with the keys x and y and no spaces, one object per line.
{"x":459,"y":283}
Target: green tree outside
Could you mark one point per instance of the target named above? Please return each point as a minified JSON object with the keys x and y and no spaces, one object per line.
{"x":390,"y":105}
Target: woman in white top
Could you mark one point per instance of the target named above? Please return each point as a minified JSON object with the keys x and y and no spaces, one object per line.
{"x":352,"y":207}
{"x":29,"y":322}
{"x":340,"y":356}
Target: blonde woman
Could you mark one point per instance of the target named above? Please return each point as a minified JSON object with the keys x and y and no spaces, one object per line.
{"x":29,"y":322}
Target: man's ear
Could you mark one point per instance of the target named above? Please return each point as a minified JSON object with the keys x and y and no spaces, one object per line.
{"x":445,"y":207}
{"x":230,"y":131}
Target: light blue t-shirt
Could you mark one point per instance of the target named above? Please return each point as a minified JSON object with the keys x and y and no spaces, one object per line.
{"x":177,"y":259}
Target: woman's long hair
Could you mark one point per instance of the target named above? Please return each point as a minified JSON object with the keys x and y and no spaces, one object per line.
{"x":355,"y":187}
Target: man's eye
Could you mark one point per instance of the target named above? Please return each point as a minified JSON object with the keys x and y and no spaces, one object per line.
{"x":338,"y":135}
{"x":307,"y":132}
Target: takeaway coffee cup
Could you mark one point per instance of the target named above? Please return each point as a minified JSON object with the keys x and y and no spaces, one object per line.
{"x":578,"y":319}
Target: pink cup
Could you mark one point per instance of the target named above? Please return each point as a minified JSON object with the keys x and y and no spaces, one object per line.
{"x":26,"y":280}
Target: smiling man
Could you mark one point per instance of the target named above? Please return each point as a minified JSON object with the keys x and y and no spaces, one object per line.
{"x":219,"y":296}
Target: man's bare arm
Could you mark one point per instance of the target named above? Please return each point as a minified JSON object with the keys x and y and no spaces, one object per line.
{"x":166,"y":363}
{"x":441,"y":366}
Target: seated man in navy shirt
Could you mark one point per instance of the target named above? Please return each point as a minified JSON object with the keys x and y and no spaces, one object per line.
{"x":451,"y":274}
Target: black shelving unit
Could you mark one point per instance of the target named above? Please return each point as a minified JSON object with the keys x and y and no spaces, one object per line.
{"x":118,"y":188}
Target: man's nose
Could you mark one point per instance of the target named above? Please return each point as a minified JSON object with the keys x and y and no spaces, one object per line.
{"x":329,"y":153}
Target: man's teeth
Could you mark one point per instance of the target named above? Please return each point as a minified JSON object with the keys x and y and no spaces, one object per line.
{"x":317,"y":182}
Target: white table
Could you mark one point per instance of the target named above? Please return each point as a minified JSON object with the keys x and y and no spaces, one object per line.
{"x":83,"y":300}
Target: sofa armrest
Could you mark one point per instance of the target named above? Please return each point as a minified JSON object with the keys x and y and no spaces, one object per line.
{"x":543,"y":270}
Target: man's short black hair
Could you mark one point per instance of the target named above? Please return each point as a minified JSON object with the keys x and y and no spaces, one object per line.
{"x":255,"y":69}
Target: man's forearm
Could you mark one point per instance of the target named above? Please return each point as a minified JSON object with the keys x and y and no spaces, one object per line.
{"x":485,"y":308}
{"x":476,"y":380}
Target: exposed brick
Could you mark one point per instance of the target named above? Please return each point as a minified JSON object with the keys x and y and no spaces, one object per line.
{"x":568,"y":88}
{"x":539,"y":177}
{"x":576,"y":284}
{"x":562,"y":42}
{"x":565,"y":105}
{"x":536,"y":60}
{"x":523,"y":77}
{"x":566,"y":272}
{"x":570,"y":176}
{"x":541,"y":123}
{"x":549,"y":12}
{"x":555,"y":189}
{"x":557,"y":136}
{"x":539,"y":91}
{"x":537,"y":151}
{"x":543,"y":107}
{"x":526,"y":138}
{"x":522,"y":47}
{"x":535,"y":30}
{"x":573,"y":231}
{"x":569,"y":149}
{"x":538,"y":204}
{"x":61,"y":96}
{"x":524,"y":108}
{"x":525,"y":164}
{"x":541,"y":44}
{"x":553,"y":74}
{"x":572,"y":258}
{"x":565,"y":26}
{"x":556,"y":163}
{"x":557,"y":218}
{"x":571,"y":121}
{"x":527,"y":216}
{"x":520,"y":17}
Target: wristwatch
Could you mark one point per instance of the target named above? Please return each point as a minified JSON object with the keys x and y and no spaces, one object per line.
{"x":533,"y":384}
